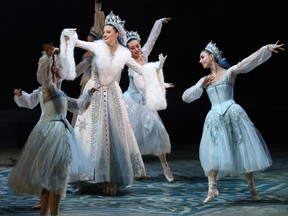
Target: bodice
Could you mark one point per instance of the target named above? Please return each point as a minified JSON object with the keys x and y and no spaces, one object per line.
{"x":56,"y":107}
{"x":221,"y":96}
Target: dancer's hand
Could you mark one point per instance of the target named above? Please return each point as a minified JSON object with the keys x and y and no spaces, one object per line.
{"x":68,"y":33}
{"x":161,"y":61}
{"x":275,"y":47}
{"x":18,"y":92}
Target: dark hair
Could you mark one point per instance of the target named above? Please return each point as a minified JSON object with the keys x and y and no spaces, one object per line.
{"x":222,"y":63}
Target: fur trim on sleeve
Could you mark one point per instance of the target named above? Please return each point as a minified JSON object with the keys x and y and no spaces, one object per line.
{"x":67,"y":54}
{"x":155,"y":92}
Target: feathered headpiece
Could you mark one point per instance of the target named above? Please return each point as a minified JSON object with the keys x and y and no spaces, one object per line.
{"x":115,"y":21}
{"x":99,"y":19}
{"x":132,"y":35}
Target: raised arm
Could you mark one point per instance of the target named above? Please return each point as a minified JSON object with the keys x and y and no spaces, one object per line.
{"x":27,"y":100}
{"x":153,"y":36}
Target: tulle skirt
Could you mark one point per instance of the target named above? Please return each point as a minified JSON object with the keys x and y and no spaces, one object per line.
{"x":51,"y":154}
{"x":150,"y":132}
{"x":231,"y":144}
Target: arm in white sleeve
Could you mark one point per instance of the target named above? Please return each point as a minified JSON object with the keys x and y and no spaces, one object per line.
{"x":134,"y":66}
{"x":138,"y":81}
{"x":82,"y":66}
{"x":154,"y":34}
{"x":28,"y":101}
{"x":86,"y":45}
{"x":250,"y":62}
{"x":193,"y":93}
{"x":79,"y":105}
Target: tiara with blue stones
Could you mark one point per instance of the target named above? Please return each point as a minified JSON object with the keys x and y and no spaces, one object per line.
{"x":133,"y":35}
{"x":211,"y":47}
{"x":115,"y":20}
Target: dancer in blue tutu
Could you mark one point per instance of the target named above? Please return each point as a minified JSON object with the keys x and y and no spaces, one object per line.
{"x":52,"y":155}
{"x":150,"y":132}
{"x":230,"y":142}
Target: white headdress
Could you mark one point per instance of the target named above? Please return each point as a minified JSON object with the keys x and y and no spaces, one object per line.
{"x":115,"y":21}
{"x":132,"y":35}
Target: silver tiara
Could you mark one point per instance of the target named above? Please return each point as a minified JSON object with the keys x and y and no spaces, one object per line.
{"x":115,"y":20}
{"x":214,"y":50}
{"x":133,"y":35}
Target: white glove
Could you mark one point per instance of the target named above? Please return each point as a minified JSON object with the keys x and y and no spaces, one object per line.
{"x":161,"y":61}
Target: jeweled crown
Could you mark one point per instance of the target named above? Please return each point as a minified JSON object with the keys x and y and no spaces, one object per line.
{"x":132,"y":35}
{"x":214,"y":50}
{"x":115,"y":20}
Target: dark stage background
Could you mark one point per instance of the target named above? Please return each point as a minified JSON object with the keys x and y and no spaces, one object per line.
{"x":238,"y":27}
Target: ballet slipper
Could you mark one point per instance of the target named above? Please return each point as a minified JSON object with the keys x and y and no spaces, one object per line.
{"x":212,"y":193}
{"x":254,"y":195}
{"x":167,"y":173}
{"x":37,"y":206}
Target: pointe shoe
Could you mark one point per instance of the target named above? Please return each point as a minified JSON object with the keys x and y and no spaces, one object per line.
{"x":254,"y":195}
{"x":167,"y":173}
{"x":212,"y":193}
{"x":37,"y":207}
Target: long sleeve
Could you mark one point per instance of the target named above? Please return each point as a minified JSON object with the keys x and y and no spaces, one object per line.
{"x":250,"y":62}
{"x":82,"y":66}
{"x":139,"y":82}
{"x":28,"y":101}
{"x":154,"y":34}
{"x":193,"y":93}
{"x":85,"y":45}
{"x":79,"y":105}
{"x":133,"y":65}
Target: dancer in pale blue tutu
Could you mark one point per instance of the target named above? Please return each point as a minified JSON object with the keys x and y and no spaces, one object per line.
{"x":52,"y":155}
{"x":152,"y":137}
{"x":230,"y":142}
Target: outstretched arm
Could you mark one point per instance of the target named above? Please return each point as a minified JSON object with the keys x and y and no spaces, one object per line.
{"x":254,"y":60}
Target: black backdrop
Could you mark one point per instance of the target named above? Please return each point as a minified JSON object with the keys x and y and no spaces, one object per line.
{"x":238,"y":27}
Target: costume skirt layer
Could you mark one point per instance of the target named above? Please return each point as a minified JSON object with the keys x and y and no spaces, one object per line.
{"x":150,"y":132}
{"x":231,"y":144}
{"x":44,"y":161}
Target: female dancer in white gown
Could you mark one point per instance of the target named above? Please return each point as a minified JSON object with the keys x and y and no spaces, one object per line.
{"x":104,"y":129}
{"x":150,"y":132}
{"x":230,"y":143}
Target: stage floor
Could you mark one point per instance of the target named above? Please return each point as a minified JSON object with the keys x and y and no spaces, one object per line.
{"x":155,"y":196}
